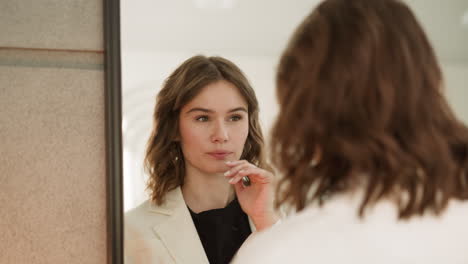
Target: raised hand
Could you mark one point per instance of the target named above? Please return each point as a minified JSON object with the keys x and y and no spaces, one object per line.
{"x":256,"y":200}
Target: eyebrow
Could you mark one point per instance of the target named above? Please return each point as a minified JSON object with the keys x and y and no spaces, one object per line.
{"x":205,"y":110}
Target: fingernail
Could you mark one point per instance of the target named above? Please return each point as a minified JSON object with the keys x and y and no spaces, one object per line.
{"x":227,"y":173}
{"x":231,"y":180}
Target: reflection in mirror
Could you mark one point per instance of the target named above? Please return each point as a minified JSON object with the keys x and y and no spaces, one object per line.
{"x":241,"y":31}
{"x":157,"y":36}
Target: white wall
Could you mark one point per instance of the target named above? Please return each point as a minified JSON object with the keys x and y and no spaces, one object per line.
{"x":456,"y":91}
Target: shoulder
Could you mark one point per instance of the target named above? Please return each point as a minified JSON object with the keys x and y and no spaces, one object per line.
{"x":140,"y":220}
{"x":137,"y":220}
{"x":142,"y":245}
{"x":282,"y":242}
{"x":319,"y":233}
{"x":139,"y":213}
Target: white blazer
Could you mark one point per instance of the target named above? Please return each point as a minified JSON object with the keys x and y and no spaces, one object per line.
{"x":335,"y":235}
{"x":163,"y":234}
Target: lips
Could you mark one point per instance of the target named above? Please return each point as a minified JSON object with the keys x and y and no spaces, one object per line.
{"x":219,"y":155}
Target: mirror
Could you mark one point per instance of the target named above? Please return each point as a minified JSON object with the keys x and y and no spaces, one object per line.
{"x":157,"y":36}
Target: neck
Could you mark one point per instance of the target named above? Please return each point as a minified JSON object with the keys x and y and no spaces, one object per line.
{"x":204,"y":191}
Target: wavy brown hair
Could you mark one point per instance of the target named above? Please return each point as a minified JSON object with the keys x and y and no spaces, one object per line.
{"x":361,"y":108}
{"x":164,"y":161}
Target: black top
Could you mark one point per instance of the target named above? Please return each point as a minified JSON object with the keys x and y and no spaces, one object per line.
{"x":222,"y":231}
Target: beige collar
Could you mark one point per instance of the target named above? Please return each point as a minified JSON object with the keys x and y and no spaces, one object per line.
{"x":177,"y":231}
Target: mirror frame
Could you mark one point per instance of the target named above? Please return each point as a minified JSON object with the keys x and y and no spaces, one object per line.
{"x":113,"y":131}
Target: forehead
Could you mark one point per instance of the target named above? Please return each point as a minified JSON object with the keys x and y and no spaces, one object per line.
{"x":218,"y":96}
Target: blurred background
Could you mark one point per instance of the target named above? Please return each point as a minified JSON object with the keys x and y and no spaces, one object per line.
{"x":157,"y":36}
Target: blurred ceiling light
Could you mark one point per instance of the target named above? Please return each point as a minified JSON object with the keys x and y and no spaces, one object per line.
{"x":214,"y":4}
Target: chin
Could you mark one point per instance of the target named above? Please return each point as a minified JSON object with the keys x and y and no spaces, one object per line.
{"x":216,"y":168}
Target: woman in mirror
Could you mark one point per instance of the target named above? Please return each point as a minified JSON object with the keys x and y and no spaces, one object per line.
{"x":209,"y":183}
{"x":369,"y":150}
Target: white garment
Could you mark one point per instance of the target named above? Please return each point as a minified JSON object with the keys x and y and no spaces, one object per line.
{"x":163,"y":234}
{"x":335,"y":234}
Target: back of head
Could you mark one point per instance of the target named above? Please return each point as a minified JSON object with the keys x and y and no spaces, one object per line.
{"x":361,"y":107}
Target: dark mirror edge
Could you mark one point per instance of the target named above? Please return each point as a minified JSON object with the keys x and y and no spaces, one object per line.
{"x":113,"y":114}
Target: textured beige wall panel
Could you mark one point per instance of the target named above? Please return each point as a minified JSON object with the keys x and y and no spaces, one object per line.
{"x":52,"y":24}
{"x":52,"y":166}
{"x":83,"y":60}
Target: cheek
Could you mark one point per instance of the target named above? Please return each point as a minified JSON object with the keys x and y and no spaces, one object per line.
{"x":241,"y":134}
{"x":188,"y":135}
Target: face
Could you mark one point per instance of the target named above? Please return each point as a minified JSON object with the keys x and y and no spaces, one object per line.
{"x":214,"y":127}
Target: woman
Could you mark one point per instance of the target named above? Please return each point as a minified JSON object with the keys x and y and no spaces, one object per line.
{"x":376,"y":161}
{"x":207,"y":174}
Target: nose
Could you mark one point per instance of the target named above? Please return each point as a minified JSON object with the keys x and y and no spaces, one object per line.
{"x":220,"y":133}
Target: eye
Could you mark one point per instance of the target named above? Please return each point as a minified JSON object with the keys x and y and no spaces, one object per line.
{"x":203,"y":118}
{"x":235,"y":118}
